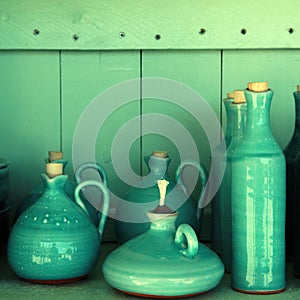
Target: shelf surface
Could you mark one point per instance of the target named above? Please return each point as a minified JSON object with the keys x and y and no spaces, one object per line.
{"x":95,"y":287}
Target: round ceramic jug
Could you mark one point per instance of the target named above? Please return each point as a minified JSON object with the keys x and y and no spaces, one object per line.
{"x":69,"y":189}
{"x":146,"y":192}
{"x":163,"y":262}
{"x":54,"y":241}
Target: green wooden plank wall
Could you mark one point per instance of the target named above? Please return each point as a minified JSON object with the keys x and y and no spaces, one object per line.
{"x":44,"y":94}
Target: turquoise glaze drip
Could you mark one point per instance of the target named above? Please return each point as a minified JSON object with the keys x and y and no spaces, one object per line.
{"x":216,"y":203}
{"x":238,"y":111}
{"x":291,"y":151}
{"x":258,"y":203}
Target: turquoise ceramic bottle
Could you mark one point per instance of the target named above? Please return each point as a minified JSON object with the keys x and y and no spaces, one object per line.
{"x":291,"y":151}
{"x":238,"y":110}
{"x":163,"y":262}
{"x":5,"y":203}
{"x":54,"y":241}
{"x":146,"y":192}
{"x":69,"y":188}
{"x":258,"y":201}
{"x":296,"y":256}
{"x":216,"y":203}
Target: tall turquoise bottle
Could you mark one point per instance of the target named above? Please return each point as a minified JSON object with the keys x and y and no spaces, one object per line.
{"x":258,"y":201}
{"x":216,"y":203}
{"x":238,"y":110}
{"x":291,"y":151}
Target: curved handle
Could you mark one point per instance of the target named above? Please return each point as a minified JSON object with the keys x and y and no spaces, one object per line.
{"x":203,"y":177}
{"x":90,"y":165}
{"x":105,"y":206}
{"x":191,"y":249}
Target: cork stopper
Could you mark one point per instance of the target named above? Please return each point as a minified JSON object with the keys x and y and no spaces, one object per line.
{"x":54,"y":155}
{"x":230,"y":95}
{"x":54,"y":169}
{"x":260,"y":86}
{"x":239,"y":97}
{"x":162,"y":154}
{"x":298,"y":88}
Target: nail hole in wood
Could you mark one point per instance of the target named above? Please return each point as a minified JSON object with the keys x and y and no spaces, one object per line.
{"x":121,"y":34}
{"x":36,"y":32}
{"x":202,"y":31}
{"x":157,"y":37}
{"x":291,"y":30}
{"x":243,"y":31}
{"x":75,"y":37}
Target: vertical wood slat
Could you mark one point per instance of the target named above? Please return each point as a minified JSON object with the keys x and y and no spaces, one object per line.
{"x":29,"y":115}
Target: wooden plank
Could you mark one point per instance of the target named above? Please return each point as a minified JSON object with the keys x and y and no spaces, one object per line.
{"x":86,"y":75}
{"x":197,"y":70}
{"x":280,"y":68}
{"x":140,"y":24}
{"x":29,"y":118}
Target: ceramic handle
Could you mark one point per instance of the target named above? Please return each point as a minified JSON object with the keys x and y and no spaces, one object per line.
{"x":90,"y":165}
{"x":191,"y":249}
{"x":203,"y":177}
{"x":105,"y":206}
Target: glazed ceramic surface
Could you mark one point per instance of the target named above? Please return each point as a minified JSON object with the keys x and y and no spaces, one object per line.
{"x":258,"y":203}
{"x":55,"y":240}
{"x":291,"y":151}
{"x":69,"y":189}
{"x":238,"y":111}
{"x":296,"y":257}
{"x":163,"y":262}
{"x":216,"y":203}
{"x":147,"y":192}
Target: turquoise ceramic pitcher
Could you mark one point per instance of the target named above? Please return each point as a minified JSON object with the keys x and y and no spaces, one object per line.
{"x":163,"y":262}
{"x":54,"y":241}
{"x":258,"y":201}
{"x":146,"y":192}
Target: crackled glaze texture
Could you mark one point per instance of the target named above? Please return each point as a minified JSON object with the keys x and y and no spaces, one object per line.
{"x":258,"y":203}
{"x":157,"y":264}
{"x":54,"y":240}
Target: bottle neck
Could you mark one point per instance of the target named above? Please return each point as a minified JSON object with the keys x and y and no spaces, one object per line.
{"x":238,"y":119}
{"x":258,"y":113}
{"x":162,"y":222}
{"x":54,"y":185}
{"x":297,"y":111}
{"x":229,"y":129}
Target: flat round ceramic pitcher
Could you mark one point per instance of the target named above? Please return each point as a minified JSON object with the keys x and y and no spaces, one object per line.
{"x":146,"y":191}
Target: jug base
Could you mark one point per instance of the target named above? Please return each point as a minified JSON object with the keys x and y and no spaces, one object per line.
{"x":161,"y":296}
{"x":55,"y":281}
{"x":259,"y":292}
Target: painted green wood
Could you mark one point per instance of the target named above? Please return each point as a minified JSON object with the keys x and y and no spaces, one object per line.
{"x":85,"y":76}
{"x":141,"y":24}
{"x":280,"y":68}
{"x":199,"y":70}
{"x":29,"y":115}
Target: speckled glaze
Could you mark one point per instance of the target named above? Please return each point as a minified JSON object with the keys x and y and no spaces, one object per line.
{"x":54,"y":241}
{"x":69,"y":189}
{"x":216,"y":202}
{"x":147,"y":192}
{"x":238,"y":111}
{"x":292,"y":230}
{"x":258,"y":203}
{"x":156,"y":264}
